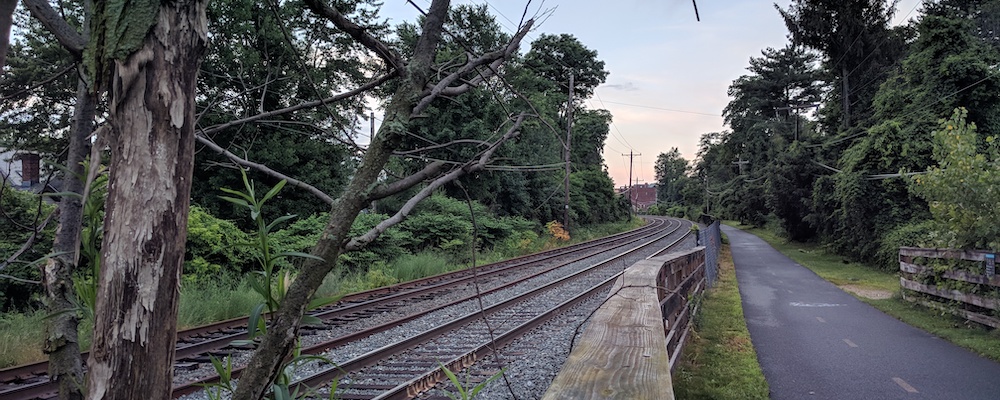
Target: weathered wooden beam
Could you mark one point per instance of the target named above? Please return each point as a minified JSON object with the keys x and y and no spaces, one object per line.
{"x":970,"y":255}
{"x":975,"y":300}
{"x":622,"y":353}
{"x":958,"y":275}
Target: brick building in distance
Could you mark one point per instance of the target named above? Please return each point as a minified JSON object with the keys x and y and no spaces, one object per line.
{"x":643,"y":195}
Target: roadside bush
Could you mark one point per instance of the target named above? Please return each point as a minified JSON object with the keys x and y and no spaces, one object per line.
{"x":214,"y":246}
{"x":913,"y":234}
{"x":22,"y":212}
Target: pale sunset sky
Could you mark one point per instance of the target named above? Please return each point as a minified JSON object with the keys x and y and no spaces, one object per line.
{"x":668,"y":72}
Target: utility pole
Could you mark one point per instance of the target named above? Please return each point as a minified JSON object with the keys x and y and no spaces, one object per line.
{"x":569,"y":132}
{"x":631,"y":205}
{"x":370,"y":139}
{"x":796,"y":108}
{"x":741,"y":163}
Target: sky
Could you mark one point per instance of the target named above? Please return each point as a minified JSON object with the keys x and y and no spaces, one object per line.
{"x":669,"y":72}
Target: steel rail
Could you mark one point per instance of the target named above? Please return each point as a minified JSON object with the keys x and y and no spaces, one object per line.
{"x":375,"y":356}
{"x":344,"y":339}
{"x":44,"y":388}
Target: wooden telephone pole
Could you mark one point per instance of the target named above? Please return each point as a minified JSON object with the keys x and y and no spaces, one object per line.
{"x":569,"y":132}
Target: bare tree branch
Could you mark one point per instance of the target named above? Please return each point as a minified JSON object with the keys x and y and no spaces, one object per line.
{"x":44,"y":82}
{"x":309,"y":104}
{"x":471,"y":166}
{"x":265,"y":169}
{"x":386,"y":190}
{"x":16,"y":279}
{"x":28,"y":244}
{"x":494,"y":59}
{"x":443,"y":145}
{"x":358,"y":33}
{"x":53,"y":22}
{"x":430,"y":35}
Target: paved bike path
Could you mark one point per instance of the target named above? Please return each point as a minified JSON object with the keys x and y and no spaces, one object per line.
{"x":814,"y":341}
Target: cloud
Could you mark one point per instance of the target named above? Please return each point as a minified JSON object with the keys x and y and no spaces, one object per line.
{"x":625,"y":87}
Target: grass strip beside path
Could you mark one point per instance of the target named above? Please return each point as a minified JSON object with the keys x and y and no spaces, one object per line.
{"x":720,"y":362}
{"x":881,"y":290}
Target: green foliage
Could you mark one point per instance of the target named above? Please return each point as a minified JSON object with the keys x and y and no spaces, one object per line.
{"x":91,"y":236}
{"x":913,"y":234}
{"x":22,"y":212}
{"x":223,"y":297}
{"x":962,"y":190}
{"x":671,"y":176}
{"x":214,"y":247}
{"x":464,"y":391}
{"x":270,"y":282}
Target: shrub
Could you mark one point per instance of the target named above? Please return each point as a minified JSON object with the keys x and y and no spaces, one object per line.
{"x":913,"y":234}
{"x":24,"y":210}
{"x":214,"y":246}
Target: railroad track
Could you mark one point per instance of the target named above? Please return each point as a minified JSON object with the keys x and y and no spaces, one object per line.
{"x":195,"y":346}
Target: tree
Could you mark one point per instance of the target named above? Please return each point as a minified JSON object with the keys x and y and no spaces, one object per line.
{"x":855,"y":40}
{"x":415,"y":92}
{"x":963,"y":187}
{"x":555,"y":57}
{"x":948,"y":66}
{"x":153,"y":67}
{"x":671,"y":174}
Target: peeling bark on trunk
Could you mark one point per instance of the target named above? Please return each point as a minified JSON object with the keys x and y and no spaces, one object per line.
{"x":6,"y":21}
{"x":61,"y":342}
{"x":152,"y":117}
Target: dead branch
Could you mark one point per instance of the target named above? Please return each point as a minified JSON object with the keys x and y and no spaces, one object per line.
{"x":53,"y":22}
{"x":440,"y":146}
{"x":357,"y":33}
{"x":469,"y":167}
{"x":41,"y":83}
{"x":309,"y":104}
{"x":493,"y":59}
{"x":28,"y":244}
{"x":386,"y":190}
{"x":265,"y":169}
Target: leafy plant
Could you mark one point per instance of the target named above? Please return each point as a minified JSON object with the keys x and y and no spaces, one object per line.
{"x":464,"y":392}
{"x":271,"y":284}
{"x":963,"y":188}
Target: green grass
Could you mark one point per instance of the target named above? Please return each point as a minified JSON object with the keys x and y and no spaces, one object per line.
{"x":22,"y":334}
{"x":720,"y":361}
{"x":972,"y":336}
{"x":21,"y":338}
{"x":204,"y":303}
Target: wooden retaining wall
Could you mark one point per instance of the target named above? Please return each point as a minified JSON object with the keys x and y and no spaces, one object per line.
{"x":633,"y":340}
{"x":974,"y":307}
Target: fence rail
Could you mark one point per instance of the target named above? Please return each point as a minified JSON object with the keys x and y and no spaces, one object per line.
{"x":634,"y":339}
{"x":942,"y":288}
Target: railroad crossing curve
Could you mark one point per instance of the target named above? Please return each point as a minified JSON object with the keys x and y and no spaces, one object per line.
{"x":814,"y":341}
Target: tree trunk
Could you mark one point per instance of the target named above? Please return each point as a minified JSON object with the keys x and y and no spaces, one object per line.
{"x":847,"y":99}
{"x":152,"y":121}
{"x":61,"y":343}
{"x":6,"y":21}
{"x":266,"y":362}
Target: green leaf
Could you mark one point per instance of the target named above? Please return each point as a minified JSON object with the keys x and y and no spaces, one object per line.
{"x":278,"y":221}
{"x":254,"y":319}
{"x":298,"y":254}
{"x":311,"y":320}
{"x":239,"y":202}
{"x":274,"y":191}
{"x":323,"y":301}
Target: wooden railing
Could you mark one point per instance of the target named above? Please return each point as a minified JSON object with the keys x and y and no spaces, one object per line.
{"x":633,"y":340}
{"x":975,"y":305}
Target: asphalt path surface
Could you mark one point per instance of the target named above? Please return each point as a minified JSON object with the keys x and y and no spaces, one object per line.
{"x":814,"y":341}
